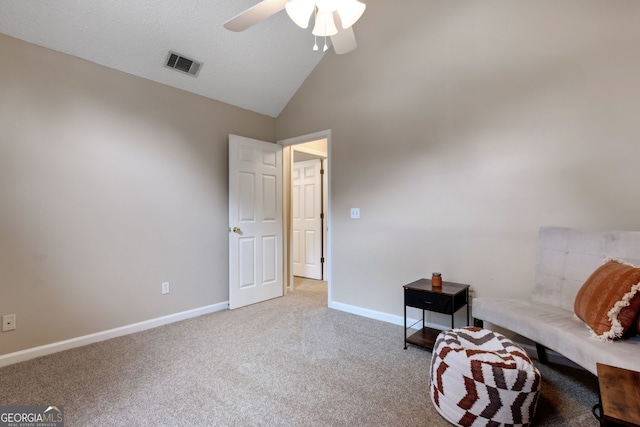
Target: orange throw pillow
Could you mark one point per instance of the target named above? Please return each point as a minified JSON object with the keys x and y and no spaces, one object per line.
{"x":609,"y":301}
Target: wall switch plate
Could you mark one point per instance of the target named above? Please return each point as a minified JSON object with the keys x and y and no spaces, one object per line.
{"x":8,"y":322}
{"x":355,"y":213}
{"x":165,"y":288}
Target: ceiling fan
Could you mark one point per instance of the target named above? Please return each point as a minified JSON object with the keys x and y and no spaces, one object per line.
{"x":325,"y":12}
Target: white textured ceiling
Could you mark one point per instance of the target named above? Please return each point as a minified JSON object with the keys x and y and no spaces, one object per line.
{"x":259,"y":69}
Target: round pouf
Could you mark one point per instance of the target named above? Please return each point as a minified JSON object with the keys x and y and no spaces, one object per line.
{"x":481,"y":378}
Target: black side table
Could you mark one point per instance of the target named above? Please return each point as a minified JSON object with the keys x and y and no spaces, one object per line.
{"x":447,"y":299}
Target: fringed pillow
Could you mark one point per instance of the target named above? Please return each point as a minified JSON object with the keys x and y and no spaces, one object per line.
{"x":609,"y":301}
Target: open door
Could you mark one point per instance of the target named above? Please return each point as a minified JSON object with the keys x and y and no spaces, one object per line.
{"x":255,"y":221}
{"x":307,"y":219}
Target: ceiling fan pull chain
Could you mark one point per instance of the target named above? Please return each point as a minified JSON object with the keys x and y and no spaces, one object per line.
{"x":325,"y":37}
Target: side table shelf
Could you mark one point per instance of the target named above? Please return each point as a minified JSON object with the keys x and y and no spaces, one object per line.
{"x":447,"y":299}
{"x":618,"y":396}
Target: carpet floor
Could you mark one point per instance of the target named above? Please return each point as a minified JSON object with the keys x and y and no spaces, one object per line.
{"x":290,"y":361}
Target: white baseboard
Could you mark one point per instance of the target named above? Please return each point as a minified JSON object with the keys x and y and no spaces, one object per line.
{"x":32,"y":353}
{"x":384,"y":317}
{"x":552,"y":356}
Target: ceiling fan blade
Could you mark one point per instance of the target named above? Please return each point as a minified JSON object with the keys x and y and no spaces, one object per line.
{"x":344,"y":41}
{"x":255,"y":14}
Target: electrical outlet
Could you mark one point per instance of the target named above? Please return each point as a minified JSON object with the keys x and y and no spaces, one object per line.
{"x":165,"y":288}
{"x":8,"y":322}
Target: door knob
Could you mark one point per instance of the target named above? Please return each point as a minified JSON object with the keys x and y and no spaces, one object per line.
{"x":237,"y":230}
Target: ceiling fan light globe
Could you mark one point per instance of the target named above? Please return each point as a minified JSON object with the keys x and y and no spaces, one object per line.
{"x":350,"y":11}
{"x":325,"y":25}
{"x":300,"y":11}
{"x":328,"y":5}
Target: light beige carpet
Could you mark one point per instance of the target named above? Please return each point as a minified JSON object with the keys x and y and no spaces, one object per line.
{"x":285,"y":362}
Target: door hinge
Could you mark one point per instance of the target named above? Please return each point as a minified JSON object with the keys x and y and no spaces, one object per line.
{"x":322,"y":216}
{"x":321,"y":171}
{"x":321,"y":260}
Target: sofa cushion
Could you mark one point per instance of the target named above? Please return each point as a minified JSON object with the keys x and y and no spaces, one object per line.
{"x":609,"y":301}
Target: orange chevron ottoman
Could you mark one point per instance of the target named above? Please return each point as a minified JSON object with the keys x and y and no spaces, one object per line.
{"x":481,"y":378}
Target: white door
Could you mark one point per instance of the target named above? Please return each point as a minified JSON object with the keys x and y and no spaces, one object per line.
{"x":255,"y":221}
{"x":307,"y":220}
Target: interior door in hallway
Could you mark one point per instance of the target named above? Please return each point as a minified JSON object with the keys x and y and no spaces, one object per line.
{"x":307,"y":220}
{"x":255,"y":221}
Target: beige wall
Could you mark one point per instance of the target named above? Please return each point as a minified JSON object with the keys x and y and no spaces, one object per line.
{"x":109,"y":186}
{"x":459,"y":128}
{"x":319,"y":146}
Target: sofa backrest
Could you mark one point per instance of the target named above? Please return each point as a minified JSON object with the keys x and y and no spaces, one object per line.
{"x":566,"y":257}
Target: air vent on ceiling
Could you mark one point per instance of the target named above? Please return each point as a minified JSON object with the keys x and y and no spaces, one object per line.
{"x":180,"y":63}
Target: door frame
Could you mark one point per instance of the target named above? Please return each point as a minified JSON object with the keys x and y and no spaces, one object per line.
{"x":286,"y":200}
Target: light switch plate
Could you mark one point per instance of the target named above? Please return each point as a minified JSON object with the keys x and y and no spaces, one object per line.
{"x":355,"y":213}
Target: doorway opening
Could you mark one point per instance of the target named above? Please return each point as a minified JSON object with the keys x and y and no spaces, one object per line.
{"x":307,"y":213}
{"x":307,"y":202}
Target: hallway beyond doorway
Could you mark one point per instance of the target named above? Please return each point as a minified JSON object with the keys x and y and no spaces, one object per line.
{"x":301,"y":281}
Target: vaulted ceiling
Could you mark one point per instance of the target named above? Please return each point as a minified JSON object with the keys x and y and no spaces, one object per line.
{"x":259,"y":69}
